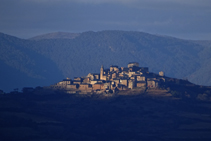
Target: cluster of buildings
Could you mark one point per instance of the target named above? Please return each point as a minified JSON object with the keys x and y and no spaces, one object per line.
{"x":112,"y":80}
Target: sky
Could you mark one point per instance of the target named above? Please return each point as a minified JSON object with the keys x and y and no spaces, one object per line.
{"x":185,"y":19}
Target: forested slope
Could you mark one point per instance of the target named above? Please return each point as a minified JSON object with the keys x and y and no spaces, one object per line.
{"x":21,"y":66}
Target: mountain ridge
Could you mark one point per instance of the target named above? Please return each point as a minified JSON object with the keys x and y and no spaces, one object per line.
{"x":21,"y":66}
{"x":83,"y":54}
{"x":56,"y":35}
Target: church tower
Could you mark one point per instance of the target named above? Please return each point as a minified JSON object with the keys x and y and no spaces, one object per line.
{"x":101,"y":72}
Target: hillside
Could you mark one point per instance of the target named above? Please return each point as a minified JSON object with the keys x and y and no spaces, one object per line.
{"x":176,"y":110}
{"x":57,"y":116}
{"x":79,"y":55}
{"x":22,"y":67}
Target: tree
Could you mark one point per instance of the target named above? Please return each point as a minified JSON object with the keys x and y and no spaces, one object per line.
{"x":202,"y":97}
{"x":1,"y":92}
{"x":176,"y":94}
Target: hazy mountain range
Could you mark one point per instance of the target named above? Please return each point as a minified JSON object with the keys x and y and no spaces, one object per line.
{"x":47,"y":59}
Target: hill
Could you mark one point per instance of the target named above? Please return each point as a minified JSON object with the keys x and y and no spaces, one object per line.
{"x":22,"y":67}
{"x":177,"y":110}
{"x":57,"y":116}
{"x":83,"y":53}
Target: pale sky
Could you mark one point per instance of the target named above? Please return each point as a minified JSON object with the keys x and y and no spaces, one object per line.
{"x":186,"y":19}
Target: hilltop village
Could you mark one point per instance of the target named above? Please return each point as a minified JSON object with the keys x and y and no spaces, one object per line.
{"x":112,"y":80}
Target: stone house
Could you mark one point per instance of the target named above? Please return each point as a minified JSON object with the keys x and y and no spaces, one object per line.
{"x":121,"y":87}
{"x":98,"y":86}
{"x":67,"y":81}
{"x":93,"y":76}
{"x":96,"y":76}
{"x":121,"y":74}
{"x":78,"y":79}
{"x":93,"y":81}
{"x":152,"y":83}
{"x":63,"y":83}
{"x":124,"y":81}
{"x":76,"y":82}
{"x":96,"y":81}
{"x":116,"y":81}
{"x":131,"y":83}
{"x":85,"y":87}
{"x":144,"y":69}
{"x":107,"y":85}
{"x":114,"y":75}
{"x":124,"y":70}
{"x":72,"y":86}
{"x":133,"y":77}
{"x":114,"y":68}
{"x":141,"y":84}
{"x":141,"y":78}
{"x":151,"y":78}
{"x":131,"y":73}
{"x":86,"y":80}
{"x":90,"y":76}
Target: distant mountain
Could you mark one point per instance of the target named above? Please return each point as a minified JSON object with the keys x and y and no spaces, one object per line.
{"x":56,"y":35}
{"x":21,"y":66}
{"x":86,"y":52}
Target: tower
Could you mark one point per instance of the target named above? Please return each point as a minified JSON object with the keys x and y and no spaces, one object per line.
{"x":101,"y":72}
{"x":161,"y":73}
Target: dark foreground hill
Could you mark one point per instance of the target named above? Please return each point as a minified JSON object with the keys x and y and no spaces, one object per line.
{"x":59,"y":55}
{"x":57,"y":116}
